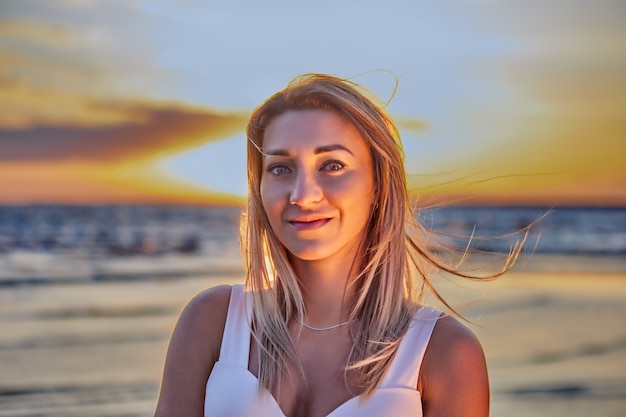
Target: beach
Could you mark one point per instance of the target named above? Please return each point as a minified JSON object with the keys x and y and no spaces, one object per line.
{"x":554,"y":339}
{"x":555,"y":342}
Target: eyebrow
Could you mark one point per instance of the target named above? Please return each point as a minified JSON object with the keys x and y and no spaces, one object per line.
{"x":317,"y":151}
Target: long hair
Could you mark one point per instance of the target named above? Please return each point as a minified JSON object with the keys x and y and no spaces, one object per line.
{"x":393,"y":255}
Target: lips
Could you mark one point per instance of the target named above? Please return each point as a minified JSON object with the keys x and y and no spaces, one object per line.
{"x":309,"y":223}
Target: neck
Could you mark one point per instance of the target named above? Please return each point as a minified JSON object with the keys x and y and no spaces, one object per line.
{"x":326,"y":291}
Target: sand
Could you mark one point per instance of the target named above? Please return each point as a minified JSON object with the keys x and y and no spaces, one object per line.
{"x":555,"y":342}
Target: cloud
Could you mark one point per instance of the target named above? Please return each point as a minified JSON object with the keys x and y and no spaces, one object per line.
{"x":24,"y":103}
{"x":59,"y":57}
{"x":569,"y":54}
{"x":151,"y":130}
{"x":30,"y":31}
{"x":559,"y":137}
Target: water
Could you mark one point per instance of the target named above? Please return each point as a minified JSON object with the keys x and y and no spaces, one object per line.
{"x":116,"y":230}
{"x":561,"y":230}
{"x":56,"y":242}
{"x":69,"y":244}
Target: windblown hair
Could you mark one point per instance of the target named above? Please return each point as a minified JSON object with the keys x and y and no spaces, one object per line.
{"x":393,"y":257}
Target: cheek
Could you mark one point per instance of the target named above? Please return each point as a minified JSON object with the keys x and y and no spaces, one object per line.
{"x":265,"y":198}
{"x":363,"y":199}
{"x":354,"y":190}
{"x":269,"y":199}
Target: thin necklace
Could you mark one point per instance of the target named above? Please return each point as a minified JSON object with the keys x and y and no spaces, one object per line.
{"x":321,"y":329}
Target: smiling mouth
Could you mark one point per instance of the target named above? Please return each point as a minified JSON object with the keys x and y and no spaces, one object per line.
{"x":308,"y":224}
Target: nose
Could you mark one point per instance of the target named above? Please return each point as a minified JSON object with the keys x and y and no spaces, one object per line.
{"x":306,"y":190}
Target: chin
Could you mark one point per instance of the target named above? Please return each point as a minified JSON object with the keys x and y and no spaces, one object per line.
{"x":320,"y":252}
{"x":309,"y":252}
{"x":308,"y":255}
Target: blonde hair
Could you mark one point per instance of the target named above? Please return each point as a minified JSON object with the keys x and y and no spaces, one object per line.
{"x":392,"y":255}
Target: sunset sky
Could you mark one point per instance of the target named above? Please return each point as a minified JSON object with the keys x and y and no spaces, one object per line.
{"x":120,"y":101}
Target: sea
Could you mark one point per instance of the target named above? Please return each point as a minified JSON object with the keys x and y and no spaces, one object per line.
{"x":89,"y":296}
{"x":53,"y":243}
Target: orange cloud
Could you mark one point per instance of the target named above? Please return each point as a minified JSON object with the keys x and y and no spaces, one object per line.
{"x":153,"y":130}
{"x":57,"y":75}
{"x":25,"y":104}
{"x":111,"y":163}
{"x":35,"y":32}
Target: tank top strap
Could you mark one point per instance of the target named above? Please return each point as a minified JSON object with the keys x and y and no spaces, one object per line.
{"x":236,"y":339}
{"x":405,"y":367}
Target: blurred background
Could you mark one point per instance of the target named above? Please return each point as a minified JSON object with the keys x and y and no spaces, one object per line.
{"x":123,"y":175}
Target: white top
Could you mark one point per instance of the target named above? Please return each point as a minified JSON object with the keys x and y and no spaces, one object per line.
{"x":233,"y":391}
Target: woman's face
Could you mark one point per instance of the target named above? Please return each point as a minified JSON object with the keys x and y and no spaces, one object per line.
{"x":317,"y":185}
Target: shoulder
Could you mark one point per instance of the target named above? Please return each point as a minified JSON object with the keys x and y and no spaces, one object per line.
{"x":207,"y":308}
{"x":454,"y":367}
{"x":203,"y":319}
{"x":198,"y":332}
{"x":452,"y":340}
{"x":193,"y":350}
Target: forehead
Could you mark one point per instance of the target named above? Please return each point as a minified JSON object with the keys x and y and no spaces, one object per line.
{"x":300,"y":129}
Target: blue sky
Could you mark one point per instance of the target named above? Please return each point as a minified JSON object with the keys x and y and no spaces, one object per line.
{"x":433,"y":51}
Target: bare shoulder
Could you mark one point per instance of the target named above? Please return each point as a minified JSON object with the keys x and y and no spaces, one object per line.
{"x":451,"y":339}
{"x":453,"y":376}
{"x":193,"y":350}
{"x":206,"y":312}
{"x":200,"y":326}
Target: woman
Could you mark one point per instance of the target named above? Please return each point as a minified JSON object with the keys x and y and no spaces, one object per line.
{"x":328,"y":323}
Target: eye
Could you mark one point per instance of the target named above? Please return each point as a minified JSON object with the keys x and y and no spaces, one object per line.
{"x":278,"y":170}
{"x":333,"y":166}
